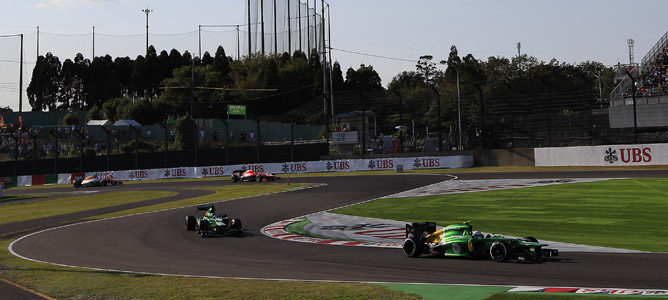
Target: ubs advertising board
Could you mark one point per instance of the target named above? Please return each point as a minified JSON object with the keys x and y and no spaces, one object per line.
{"x":607,"y":155}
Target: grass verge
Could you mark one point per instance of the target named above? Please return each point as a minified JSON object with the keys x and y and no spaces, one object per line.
{"x":22,"y":211}
{"x":620,"y":213}
{"x":567,"y":296}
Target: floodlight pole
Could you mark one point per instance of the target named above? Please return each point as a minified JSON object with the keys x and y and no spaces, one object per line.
{"x":147,"y":11}
{"x":249,"y":29}
{"x":21,"y":78}
{"x":331,"y":65}
{"x":289,"y":32}
{"x":262,"y":24}
{"x":275,"y":31}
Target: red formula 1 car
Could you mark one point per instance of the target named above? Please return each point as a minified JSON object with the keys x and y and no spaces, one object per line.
{"x":251,"y":176}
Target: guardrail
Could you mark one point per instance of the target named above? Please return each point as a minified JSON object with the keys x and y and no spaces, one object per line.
{"x":341,"y":165}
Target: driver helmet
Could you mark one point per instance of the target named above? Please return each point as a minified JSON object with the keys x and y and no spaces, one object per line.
{"x":211,"y":210}
{"x":477,"y":234}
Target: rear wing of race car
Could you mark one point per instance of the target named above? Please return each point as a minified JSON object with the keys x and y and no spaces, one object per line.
{"x":420,"y":229}
{"x":204,"y":207}
{"x":550,"y":252}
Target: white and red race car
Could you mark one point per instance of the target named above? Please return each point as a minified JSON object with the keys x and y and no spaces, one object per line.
{"x":95,"y":180}
{"x":252,"y":176}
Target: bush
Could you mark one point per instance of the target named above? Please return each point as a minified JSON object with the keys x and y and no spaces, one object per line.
{"x":143,"y":147}
{"x":71,"y":119}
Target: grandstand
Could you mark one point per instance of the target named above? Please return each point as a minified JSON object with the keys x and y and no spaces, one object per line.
{"x":650,"y":93}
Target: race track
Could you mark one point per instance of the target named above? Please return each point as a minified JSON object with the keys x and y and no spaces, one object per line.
{"x":158,"y":243}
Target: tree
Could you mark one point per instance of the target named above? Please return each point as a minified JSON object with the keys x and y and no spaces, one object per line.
{"x":221,"y":63}
{"x":43,"y":91}
{"x":207,"y":59}
{"x":185,"y":134}
{"x":100,"y":86}
{"x":95,"y":113}
{"x":71,"y":119}
{"x":114,"y":109}
{"x":337,"y":77}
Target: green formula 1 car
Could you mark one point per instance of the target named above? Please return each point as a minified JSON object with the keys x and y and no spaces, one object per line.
{"x":211,"y":223}
{"x":460,"y":240}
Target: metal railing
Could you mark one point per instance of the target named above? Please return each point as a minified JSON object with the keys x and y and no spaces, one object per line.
{"x":617,"y":94}
{"x":650,"y":57}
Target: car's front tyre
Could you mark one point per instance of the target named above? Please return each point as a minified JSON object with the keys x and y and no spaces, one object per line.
{"x":498,"y":251}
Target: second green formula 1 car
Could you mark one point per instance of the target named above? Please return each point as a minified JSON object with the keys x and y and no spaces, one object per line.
{"x":460,"y":240}
{"x":211,"y":223}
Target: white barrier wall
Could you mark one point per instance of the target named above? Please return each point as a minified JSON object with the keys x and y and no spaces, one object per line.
{"x":409,"y":163}
{"x":608,"y":155}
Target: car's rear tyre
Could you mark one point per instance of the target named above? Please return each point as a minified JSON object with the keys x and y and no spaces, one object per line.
{"x":191,"y":223}
{"x":412,"y":248}
{"x":236,"y":223}
{"x":103,"y":183}
{"x":531,"y":239}
{"x":203,"y":228}
{"x":113,"y":182}
{"x":498,"y":251}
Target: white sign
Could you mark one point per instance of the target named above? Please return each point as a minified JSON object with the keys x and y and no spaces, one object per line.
{"x":344,"y":137}
{"x":344,"y":165}
{"x":607,"y":155}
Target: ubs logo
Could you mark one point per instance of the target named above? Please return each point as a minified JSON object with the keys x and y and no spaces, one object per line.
{"x":610,"y":156}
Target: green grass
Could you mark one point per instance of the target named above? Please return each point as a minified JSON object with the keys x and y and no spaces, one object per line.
{"x":23,"y":211}
{"x":221,"y":193}
{"x":450,"y":292}
{"x":77,"y":283}
{"x":566,"y":296}
{"x":621,"y":213}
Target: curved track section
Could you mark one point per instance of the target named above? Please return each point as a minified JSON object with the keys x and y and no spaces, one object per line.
{"x":158,"y":243}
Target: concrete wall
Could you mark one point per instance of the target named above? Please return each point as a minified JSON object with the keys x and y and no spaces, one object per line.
{"x":651,"y":112}
{"x":504,"y":157}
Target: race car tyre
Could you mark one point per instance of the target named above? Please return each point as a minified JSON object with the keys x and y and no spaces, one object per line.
{"x":191,"y":223}
{"x":77,"y":184}
{"x":412,"y":248}
{"x":498,"y":251}
{"x":531,"y":239}
{"x":236,"y":223}
{"x":113,"y":183}
{"x":103,"y":183}
{"x":203,"y":227}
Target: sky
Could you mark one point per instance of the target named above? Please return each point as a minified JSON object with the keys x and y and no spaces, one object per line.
{"x":571,"y":31}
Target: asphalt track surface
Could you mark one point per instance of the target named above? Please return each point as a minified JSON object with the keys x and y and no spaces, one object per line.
{"x":158,"y":243}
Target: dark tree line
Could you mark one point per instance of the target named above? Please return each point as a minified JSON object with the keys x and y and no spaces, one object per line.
{"x":288,"y":87}
{"x":169,"y":85}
